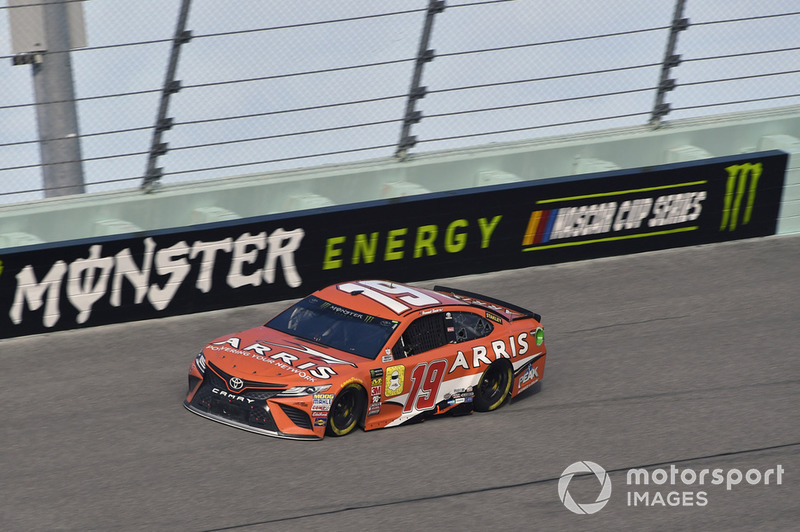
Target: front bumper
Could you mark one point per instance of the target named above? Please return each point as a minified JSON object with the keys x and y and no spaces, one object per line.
{"x":236,"y":422}
{"x":253,"y":410}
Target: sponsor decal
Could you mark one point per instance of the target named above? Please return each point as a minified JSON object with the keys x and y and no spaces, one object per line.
{"x":122,"y":278}
{"x":459,"y":400}
{"x":158,"y":275}
{"x":482,"y":355}
{"x":736,"y":189}
{"x":352,"y":380}
{"x":529,"y":378}
{"x":680,"y":206}
{"x":557,"y":227}
{"x":309,"y":371}
{"x":375,"y":397}
{"x":494,"y":317}
{"x":405,"y":242}
{"x":460,"y":395}
{"x":321,"y":402}
{"x":394,"y":380}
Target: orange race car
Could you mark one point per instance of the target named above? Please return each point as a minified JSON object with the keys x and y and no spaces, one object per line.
{"x":370,"y":353}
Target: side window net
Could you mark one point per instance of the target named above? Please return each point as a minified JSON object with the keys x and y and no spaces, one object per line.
{"x":424,"y":334}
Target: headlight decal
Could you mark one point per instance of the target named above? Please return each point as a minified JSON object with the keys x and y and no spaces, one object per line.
{"x":300,"y":391}
{"x":200,"y":362}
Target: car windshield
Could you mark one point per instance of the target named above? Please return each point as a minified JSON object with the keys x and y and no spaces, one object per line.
{"x":324,"y":323}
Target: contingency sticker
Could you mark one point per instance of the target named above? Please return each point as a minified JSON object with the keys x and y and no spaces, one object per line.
{"x":395,"y":376}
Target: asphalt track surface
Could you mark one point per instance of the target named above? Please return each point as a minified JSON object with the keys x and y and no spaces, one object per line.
{"x":686,"y":358}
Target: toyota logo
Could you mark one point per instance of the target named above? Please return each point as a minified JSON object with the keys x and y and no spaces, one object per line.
{"x":236,"y":383}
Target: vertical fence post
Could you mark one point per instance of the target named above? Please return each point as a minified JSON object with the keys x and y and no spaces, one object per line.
{"x":153,"y":174}
{"x":43,"y":33}
{"x":671,"y":59}
{"x":417,"y":92}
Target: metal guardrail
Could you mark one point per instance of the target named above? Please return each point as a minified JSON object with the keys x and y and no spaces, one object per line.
{"x":323,"y":92}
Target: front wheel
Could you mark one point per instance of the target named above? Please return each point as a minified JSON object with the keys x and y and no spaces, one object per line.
{"x":346,"y":411}
{"x":494,"y":386}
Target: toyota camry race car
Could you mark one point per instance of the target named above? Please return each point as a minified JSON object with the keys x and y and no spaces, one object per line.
{"x":368,"y":353}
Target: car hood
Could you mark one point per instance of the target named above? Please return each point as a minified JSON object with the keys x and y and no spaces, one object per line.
{"x":266,"y":355}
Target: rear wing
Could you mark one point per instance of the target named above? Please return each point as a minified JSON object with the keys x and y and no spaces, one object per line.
{"x":514,"y":312}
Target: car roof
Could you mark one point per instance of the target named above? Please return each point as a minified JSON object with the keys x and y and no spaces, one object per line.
{"x":385,"y":299}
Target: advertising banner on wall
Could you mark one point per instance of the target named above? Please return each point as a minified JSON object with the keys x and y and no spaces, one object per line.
{"x":116,"y":279}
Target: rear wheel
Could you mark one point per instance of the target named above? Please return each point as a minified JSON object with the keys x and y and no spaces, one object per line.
{"x":494,"y":386}
{"x":346,"y":410}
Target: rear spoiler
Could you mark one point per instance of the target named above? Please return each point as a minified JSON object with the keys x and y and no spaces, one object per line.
{"x":485,"y":302}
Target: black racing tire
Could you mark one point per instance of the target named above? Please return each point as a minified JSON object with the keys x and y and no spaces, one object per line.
{"x":493,"y":386}
{"x":346,"y":411}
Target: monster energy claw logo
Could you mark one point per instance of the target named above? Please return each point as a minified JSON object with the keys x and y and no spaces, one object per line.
{"x":738,"y":175}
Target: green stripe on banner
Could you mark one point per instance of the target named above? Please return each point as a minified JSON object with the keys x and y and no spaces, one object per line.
{"x":612,"y":239}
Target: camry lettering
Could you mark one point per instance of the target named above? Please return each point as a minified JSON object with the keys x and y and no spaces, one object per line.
{"x":232,"y":396}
